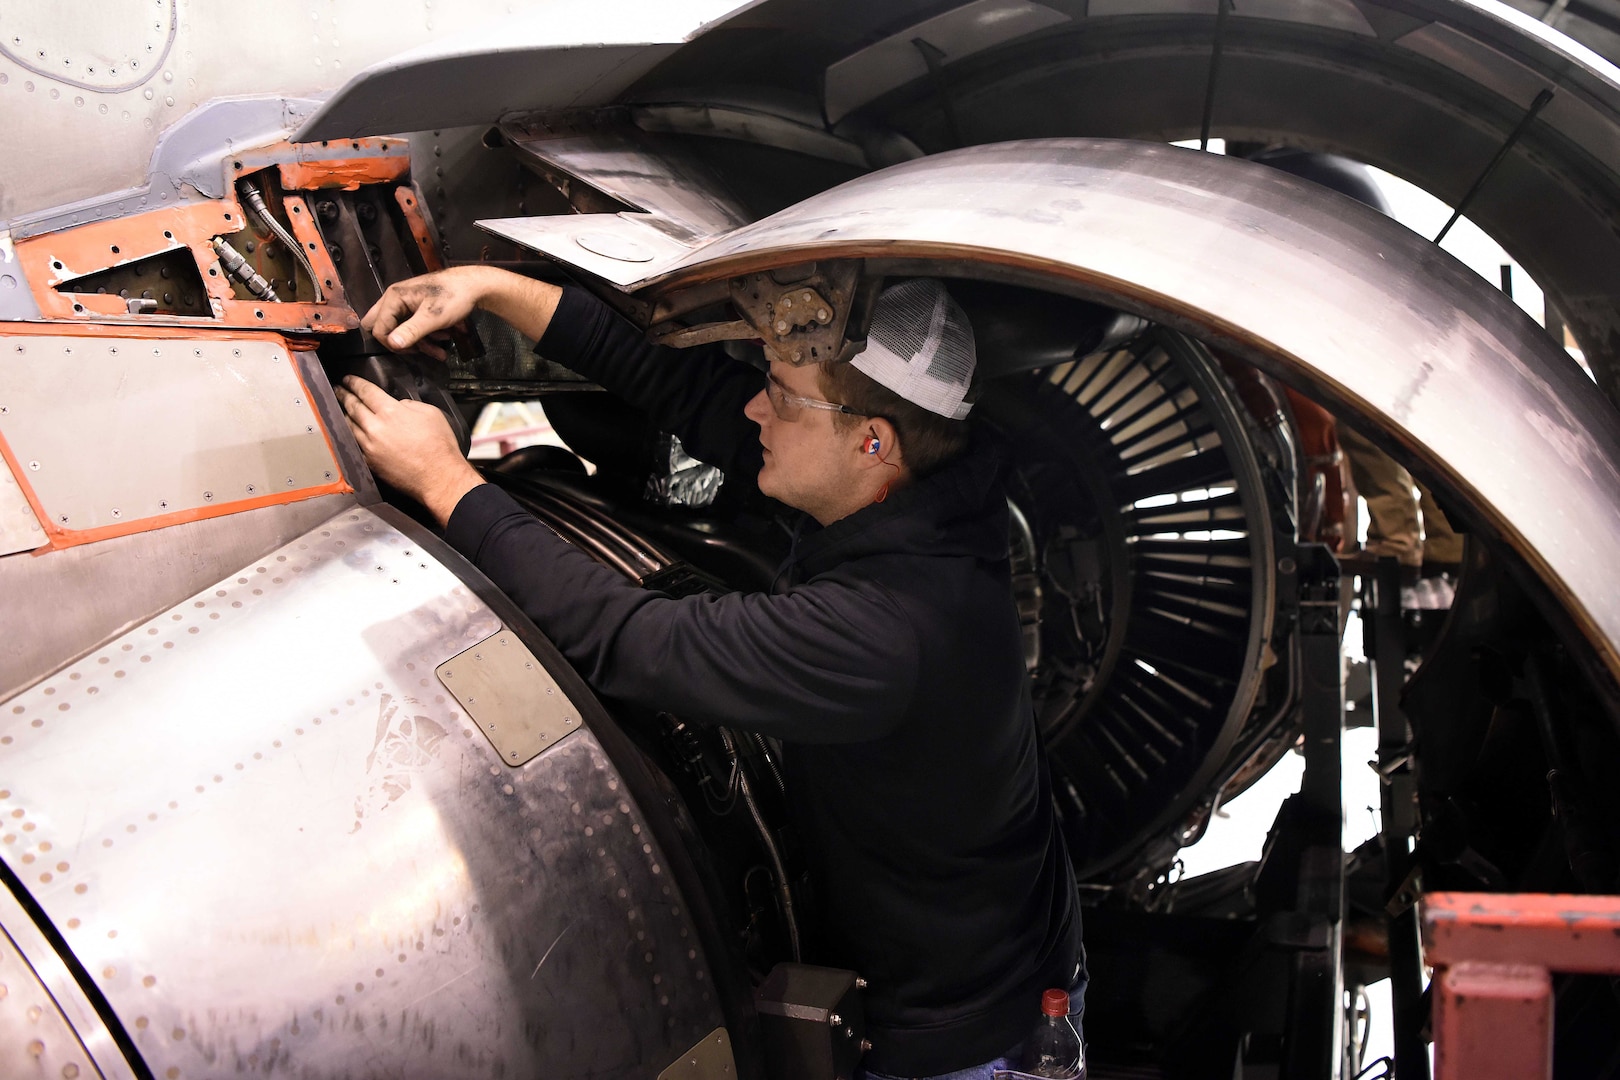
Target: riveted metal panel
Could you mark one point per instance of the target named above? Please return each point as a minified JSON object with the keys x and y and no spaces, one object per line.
{"x":509,"y":695}
{"x":268,"y":834}
{"x":157,"y":428}
{"x":34,"y":974}
{"x":35,"y":1038}
{"x":19,"y":525}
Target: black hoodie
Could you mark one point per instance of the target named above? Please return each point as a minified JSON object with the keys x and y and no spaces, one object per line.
{"x":888,"y":657}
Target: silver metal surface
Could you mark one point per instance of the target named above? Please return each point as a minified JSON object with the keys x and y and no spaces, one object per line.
{"x":270,"y":837}
{"x":752,"y":125}
{"x":76,"y":598}
{"x":73,"y":133}
{"x":158,"y":427}
{"x":956,"y":34}
{"x":709,"y":1060}
{"x":16,"y":298}
{"x":509,"y":696}
{"x":19,"y":525}
{"x":556,"y":56}
{"x":681,"y":194}
{"x":619,"y":248}
{"x":187,"y":163}
{"x":1283,"y":272}
{"x":21,"y":938}
{"x":35,"y":1038}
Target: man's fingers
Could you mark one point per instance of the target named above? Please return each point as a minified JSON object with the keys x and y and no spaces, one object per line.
{"x":423,"y":321}
{"x":367,"y":396}
{"x":385,"y":314}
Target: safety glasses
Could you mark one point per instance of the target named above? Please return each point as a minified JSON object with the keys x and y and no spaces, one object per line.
{"x":786,"y":404}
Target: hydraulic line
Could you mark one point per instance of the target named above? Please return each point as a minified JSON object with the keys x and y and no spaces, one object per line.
{"x":782,"y":889}
{"x":255,"y":201}
{"x":238,"y":268}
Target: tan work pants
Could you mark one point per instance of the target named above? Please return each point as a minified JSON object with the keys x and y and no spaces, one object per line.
{"x":1410,"y":529}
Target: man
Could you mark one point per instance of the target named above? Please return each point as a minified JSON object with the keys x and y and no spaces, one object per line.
{"x":1404,"y":521}
{"x":887,"y":656}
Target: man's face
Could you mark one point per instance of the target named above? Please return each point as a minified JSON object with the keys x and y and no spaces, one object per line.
{"x":810,"y":463}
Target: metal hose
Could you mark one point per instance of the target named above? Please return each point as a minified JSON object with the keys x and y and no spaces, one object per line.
{"x":255,"y":201}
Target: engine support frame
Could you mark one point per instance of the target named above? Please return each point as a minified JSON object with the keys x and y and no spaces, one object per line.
{"x":1494,"y":954}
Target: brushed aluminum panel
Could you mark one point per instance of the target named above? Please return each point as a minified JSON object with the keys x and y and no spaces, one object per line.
{"x":75,"y":599}
{"x":559,"y":56}
{"x":19,"y":525}
{"x":35,"y":1038}
{"x":47,"y":970}
{"x":114,"y":430}
{"x":508,"y":694}
{"x":619,"y":248}
{"x":271,"y":838}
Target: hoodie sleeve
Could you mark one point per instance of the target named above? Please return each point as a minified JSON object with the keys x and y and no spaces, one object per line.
{"x":831,"y":661}
{"x":696,"y":394}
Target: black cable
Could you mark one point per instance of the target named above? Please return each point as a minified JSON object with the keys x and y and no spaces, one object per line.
{"x":1535,"y":107}
{"x":1221,"y":7}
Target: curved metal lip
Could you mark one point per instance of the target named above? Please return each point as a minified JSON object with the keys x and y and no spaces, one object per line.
{"x":597,"y":50}
{"x":1322,"y":291}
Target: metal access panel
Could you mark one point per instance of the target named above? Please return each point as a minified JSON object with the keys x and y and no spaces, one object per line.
{"x":709,"y":1060}
{"x":510,"y":696}
{"x":19,"y":525}
{"x":121,"y":434}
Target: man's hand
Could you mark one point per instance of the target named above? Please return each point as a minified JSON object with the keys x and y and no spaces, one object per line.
{"x":415,"y":313}
{"x":408,"y":444}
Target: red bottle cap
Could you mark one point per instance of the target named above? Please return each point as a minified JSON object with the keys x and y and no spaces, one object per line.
{"x":1055,"y":1003}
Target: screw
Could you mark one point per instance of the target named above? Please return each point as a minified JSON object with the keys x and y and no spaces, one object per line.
{"x":835,"y":1020}
{"x":63,"y":519}
{"x":823,"y":314}
{"x":860,"y":983}
{"x":781,"y":326}
{"x":208,"y":496}
{"x":34,"y":465}
{"x":787,"y":302}
{"x":116,"y":512}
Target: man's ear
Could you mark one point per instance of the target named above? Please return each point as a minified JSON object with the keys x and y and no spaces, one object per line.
{"x":879,"y":435}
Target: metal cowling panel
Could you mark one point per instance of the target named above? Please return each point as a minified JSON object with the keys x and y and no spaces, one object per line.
{"x":272,"y":838}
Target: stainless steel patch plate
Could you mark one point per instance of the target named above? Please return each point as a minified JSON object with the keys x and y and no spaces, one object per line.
{"x":509,"y":695}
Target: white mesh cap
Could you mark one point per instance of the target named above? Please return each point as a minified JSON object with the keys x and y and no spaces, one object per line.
{"x":921,"y":347}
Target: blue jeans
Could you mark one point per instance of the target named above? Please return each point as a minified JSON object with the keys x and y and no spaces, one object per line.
{"x":1004,"y":1067}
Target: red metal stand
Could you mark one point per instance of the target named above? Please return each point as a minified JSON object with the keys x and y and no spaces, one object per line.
{"x":1493,"y":955}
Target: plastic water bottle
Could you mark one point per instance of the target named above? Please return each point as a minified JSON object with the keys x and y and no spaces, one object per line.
{"x":1053,"y":1048}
